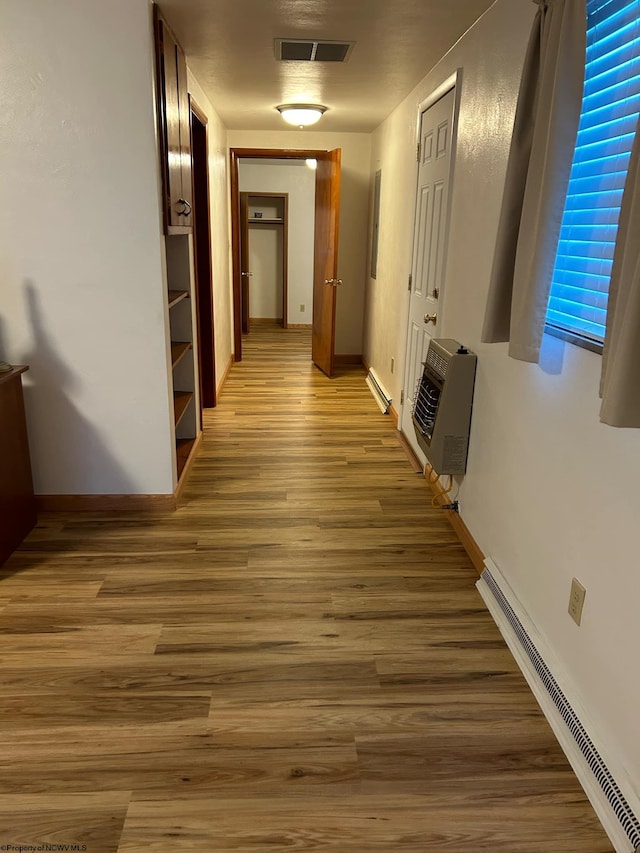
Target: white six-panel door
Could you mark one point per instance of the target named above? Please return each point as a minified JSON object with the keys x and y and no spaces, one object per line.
{"x":429,"y":244}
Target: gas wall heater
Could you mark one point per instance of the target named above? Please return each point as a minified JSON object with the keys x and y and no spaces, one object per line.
{"x":442,"y":407}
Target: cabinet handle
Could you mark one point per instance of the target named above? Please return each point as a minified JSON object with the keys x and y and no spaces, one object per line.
{"x":186,"y":207}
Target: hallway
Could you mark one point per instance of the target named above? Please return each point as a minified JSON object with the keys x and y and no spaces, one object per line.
{"x":297,"y":659}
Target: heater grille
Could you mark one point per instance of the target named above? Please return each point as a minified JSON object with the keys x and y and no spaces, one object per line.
{"x":310,"y":50}
{"x":605,"y":780}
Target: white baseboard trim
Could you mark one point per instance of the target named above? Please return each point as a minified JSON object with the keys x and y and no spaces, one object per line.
{"x":613,"y":799}
{"x":380,"y":394}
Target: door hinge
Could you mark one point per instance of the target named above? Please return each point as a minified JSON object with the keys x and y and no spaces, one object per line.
{"x":402,"y":398}
{"x":418,"y":149}
{"x":410,"y":281}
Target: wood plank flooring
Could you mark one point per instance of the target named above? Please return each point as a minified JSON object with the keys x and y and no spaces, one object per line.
{"x":296,"y":660}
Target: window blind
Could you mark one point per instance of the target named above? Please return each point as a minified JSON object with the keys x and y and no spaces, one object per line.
{"x":610,"y":109}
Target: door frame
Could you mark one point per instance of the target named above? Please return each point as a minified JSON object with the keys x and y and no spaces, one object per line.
{"x":236,"y":154}
{"x":285,"y":249}
{"x":203,"y":266}
{"x":454,"y":81}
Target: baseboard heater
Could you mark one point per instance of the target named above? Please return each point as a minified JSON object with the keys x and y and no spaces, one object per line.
{"x":379,"y":394}
{"x":610,"y":804}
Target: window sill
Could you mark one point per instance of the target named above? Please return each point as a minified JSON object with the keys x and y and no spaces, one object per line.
{"x":574,"y":338}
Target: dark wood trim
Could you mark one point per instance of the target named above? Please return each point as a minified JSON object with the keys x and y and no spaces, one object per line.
{"x":416,"y":464}
{"x":279,"y":153}
{"x":186,"y":468}
{"x":106,"y":503}
{"x":466,"y":539}
{"x":225,"y":374}
{"x":347,"y":358}
{"x":235,"y":154}
{"x":199,"y":113}
{"x":16,"y":482}
{"x":235,"y":255}
{"x":285,"y":248}
{"x":202,"y":256}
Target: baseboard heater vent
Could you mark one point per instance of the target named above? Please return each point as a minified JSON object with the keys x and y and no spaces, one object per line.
{"x":380,"y":395}
{"x":598,"y":780}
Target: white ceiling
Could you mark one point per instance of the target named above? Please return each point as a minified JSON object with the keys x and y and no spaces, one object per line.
{"x":230,"y":49}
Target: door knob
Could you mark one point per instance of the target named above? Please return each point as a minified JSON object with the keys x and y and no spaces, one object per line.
{"x":248,"y":274}
{"x":333,"y":281}
{"x":431,"y":318}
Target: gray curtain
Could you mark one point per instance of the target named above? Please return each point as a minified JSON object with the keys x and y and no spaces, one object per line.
{"x":544,"y":137}
{"x":620,"y":382}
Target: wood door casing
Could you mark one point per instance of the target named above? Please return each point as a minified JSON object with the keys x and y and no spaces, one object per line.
{"x":246,"y":222}
{"x":245,"y":272}
{"x":236,"y":154}
{"x":325,"y":267}
{"x":202,"y":257}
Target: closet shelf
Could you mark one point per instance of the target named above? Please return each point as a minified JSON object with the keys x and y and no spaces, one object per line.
{"x":181,"y":400}
{"x":176,"y":296}
{"x":178,"y":350}
{"x":265,"y":221}
{"x":184,"y":446}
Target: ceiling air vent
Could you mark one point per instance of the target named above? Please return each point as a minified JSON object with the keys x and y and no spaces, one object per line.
{"x":308,"y":50}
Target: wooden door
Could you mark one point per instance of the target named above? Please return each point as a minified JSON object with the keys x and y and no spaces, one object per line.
{"x":184,"y":122}
{"x":171,"y":109}
{"x":429,"y":246}
{"x":174,"y":129}
{"x":325,"y":268}
{"x":245,"y":273}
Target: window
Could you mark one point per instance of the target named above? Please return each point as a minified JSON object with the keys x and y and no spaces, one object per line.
{"x":610,"y":108}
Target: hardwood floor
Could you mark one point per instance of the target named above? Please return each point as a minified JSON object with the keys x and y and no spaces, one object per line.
{"x":296,"y":660}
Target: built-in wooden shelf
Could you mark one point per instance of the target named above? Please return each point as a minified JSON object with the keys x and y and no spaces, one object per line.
{"x":184,"y":446}
{"x":181,"y":400}
{"x":178,"y":350}
{"x":253,"y":221}
{"x":176,"y":296}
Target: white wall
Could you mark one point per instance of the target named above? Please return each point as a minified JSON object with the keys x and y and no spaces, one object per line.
{"x":219,"y":194}
{"x":354,"y":216}
{"x":266,"y":255}
{"x":296,"y":179}
{"x":550,"y":492}
{"x":81,"y":279}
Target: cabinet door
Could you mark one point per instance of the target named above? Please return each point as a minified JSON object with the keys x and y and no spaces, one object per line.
{"x":184,"y":117}
{"x":175,"y":130}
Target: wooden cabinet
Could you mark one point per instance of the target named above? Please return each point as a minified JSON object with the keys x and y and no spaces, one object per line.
{"x":174,"y":114}
{"x":184,"y":385}
{"x":175,"y":130}
{"x":17,"y":504}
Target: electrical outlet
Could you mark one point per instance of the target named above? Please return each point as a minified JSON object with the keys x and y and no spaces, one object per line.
{"x":393,"y":364}
{"x":302,"y":309}
{"x":576,"y":600}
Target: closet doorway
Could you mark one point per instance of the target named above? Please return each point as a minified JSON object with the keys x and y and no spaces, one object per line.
{"x":317,"y":307}
{"x":264,"y":250}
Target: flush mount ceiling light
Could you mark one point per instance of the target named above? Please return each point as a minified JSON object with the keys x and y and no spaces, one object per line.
{"x":301,"y":115}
